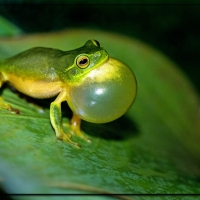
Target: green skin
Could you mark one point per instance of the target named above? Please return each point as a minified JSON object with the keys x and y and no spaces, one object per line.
{"x":44,"y":72}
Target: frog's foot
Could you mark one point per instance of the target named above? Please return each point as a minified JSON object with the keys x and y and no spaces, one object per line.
{"x":76,"y":131}
{"x":12,"y":110}
{"x":8,"y":107}
{"x":66,"y":138}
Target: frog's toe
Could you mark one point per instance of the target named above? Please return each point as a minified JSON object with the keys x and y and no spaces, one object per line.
{"x":66,"y":124}
{"x":66,"y":138}
{"x":68,"y":135}
{"x":81,"y":134}
{"x":87,"y":139}
{"x":6,"y":106}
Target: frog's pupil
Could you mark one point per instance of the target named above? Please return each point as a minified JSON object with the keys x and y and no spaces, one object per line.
{"x":83,"y":61}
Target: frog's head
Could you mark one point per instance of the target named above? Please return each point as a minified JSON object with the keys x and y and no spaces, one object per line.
{"x":105,"y":88}
{"x":85,"y":59}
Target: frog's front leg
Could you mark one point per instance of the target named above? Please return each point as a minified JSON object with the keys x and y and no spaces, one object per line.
{"x":56,"y":119}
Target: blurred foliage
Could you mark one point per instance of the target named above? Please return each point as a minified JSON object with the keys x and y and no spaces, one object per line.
{"x":7,"y":28}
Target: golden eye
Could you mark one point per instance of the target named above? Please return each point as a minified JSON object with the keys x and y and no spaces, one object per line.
{"x":82,"y":61}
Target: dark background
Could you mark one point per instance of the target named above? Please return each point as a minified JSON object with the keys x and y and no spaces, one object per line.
{"x":171,"y":28}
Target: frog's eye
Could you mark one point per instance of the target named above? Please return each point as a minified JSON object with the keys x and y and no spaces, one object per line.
{"x":96,"y":43}
{"x":82,"y":61}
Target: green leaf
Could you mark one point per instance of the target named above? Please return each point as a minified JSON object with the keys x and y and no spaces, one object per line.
{"x":153,"y":148}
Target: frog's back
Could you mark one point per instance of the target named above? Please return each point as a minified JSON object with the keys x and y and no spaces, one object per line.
{"x":34,"y":72}
{"x":38,"y":62}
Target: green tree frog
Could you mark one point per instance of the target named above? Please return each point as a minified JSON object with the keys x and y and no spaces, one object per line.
{"x":97,"y":88}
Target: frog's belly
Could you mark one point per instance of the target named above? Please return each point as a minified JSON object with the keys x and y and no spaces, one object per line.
{"x":36,"y":88}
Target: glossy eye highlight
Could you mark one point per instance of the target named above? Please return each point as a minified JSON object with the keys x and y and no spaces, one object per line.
{"x":82,"y":61}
